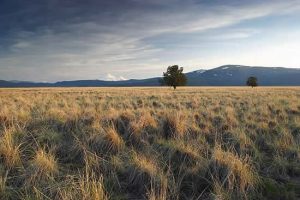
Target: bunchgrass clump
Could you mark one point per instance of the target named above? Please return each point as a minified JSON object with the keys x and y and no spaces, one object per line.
{"x":9,"y":149}
{"x":42,"y":168}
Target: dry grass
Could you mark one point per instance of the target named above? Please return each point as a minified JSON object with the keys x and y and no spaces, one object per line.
{"x":3,"y":188}
{"x":43,"y":167}
{"x":232,"y":171}
{"x":145,"y":165}
{"x":9,"y":150}
{"x":87,"y":187}
{"x":150,"y":143}
{"x":114,"y":140}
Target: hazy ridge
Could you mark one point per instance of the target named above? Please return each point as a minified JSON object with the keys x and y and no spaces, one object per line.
{"x":227,"y":75}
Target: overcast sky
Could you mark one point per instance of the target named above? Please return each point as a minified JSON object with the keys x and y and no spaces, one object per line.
{"x":53,"y":40}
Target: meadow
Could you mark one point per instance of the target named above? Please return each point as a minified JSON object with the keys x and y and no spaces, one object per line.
{"x":150,"y":143}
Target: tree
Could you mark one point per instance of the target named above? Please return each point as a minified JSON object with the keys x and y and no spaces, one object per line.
{"x":174,"y":77}
{"x":252,"y":81}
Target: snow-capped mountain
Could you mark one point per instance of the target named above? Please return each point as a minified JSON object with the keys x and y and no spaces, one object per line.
{"x":236,"y":75}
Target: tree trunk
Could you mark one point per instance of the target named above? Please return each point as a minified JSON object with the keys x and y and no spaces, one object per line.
{"x":174,"y":86}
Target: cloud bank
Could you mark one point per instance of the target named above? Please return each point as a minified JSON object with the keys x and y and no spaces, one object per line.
{"x":67,"y":40}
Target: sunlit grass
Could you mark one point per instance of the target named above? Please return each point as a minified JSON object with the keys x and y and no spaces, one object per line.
{"x":150,"y":143}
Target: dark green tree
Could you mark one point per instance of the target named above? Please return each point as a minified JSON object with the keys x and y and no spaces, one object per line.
{"x":252,"y":81}
{"x":174,"y":77}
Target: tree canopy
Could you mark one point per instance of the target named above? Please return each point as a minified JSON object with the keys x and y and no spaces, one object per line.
{"x":174,"y":76}
{"x":252,"y":81}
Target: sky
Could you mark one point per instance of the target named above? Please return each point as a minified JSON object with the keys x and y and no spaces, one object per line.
{"x":55,"y":40}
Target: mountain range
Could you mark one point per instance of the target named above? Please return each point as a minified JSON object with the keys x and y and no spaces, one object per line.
{"x":227,"y":75}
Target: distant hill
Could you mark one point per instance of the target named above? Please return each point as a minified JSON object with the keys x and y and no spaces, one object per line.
{"x":236,"y":75}
{"x":227,"y":75}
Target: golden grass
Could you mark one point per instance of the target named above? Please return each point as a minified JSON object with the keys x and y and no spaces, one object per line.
{"x":115,"y":142}
{"x":150,"y":143}
{"x":146,"y":165}
{"x":91,"y":188}
{"x":9,"y":150}
{"x":160,"y":193}
{"x":43,"y":167}
{"x":240,"y":173}
{"x":88,"y":187}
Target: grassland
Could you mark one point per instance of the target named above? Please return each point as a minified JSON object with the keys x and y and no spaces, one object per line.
{"x":150,"y":143}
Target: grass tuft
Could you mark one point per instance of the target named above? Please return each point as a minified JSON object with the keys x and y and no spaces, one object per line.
{"x":9,"y":149}
{"x":43,"y":167}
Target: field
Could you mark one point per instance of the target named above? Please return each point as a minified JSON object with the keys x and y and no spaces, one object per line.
{"x":150,"y":143}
